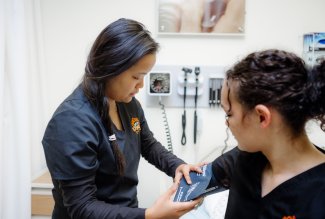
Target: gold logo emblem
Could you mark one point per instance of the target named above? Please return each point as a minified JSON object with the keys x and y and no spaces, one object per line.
{"x":135,"y":124}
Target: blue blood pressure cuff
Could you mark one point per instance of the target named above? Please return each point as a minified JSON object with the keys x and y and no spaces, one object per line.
{"x":201,"y":185}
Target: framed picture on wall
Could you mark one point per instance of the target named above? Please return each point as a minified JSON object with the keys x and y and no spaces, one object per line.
{"x":201,"y":17}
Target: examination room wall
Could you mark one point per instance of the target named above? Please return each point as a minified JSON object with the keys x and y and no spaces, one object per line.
{"x":69,"y":28}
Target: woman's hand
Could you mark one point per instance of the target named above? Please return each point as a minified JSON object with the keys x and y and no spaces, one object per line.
{"x":185,"y":169}
{"x":165,"y":208}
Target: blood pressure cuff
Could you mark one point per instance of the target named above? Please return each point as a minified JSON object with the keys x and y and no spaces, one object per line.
{"x":202,"y":185}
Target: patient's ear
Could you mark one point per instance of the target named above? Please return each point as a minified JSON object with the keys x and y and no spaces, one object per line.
{"x":264,"y":114}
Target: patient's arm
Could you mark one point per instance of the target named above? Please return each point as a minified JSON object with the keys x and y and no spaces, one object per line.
{"x":223,"y":168}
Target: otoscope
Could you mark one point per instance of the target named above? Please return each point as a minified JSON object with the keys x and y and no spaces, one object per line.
{"x":197,"y":72}
{"x":186,"y":71}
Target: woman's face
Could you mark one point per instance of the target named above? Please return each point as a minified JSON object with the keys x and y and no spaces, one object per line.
{"x":127,"y":84}
{"x":240,"y":122}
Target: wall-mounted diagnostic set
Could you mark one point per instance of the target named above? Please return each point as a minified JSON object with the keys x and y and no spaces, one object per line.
{"x":193,"y":87}
{"x":314,"y":48}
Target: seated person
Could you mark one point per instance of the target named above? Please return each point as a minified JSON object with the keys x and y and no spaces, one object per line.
{"x":276,"y":171}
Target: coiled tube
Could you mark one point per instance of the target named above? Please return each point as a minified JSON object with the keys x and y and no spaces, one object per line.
{"x":166,"y":125}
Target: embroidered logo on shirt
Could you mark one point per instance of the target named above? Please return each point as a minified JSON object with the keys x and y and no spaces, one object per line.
{"x":135,"y":124}
{"x":289,"y":217}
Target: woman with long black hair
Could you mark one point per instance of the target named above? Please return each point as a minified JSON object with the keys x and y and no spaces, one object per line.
{"x":95,"y":138}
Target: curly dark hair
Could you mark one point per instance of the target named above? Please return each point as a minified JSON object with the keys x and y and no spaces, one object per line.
{"x":117,"y":48}
{"x":280,"y":79}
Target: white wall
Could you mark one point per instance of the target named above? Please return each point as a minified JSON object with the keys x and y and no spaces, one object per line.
{"x":69,"y":28}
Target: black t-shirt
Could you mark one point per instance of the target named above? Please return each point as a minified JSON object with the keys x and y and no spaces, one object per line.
{"x":301,"y":197}
{"x":82,"y":163}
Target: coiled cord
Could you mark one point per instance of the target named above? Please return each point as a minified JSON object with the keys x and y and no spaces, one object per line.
{"x":166,"y":125}
{"x":225,"y":147}
{"x":226,"y":141}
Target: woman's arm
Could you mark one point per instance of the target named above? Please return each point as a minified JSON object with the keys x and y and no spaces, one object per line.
{"x":153,"y":151}
{"x":79,"y":198}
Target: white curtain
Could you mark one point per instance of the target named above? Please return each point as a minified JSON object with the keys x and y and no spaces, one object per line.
{"x":21,"y":104}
